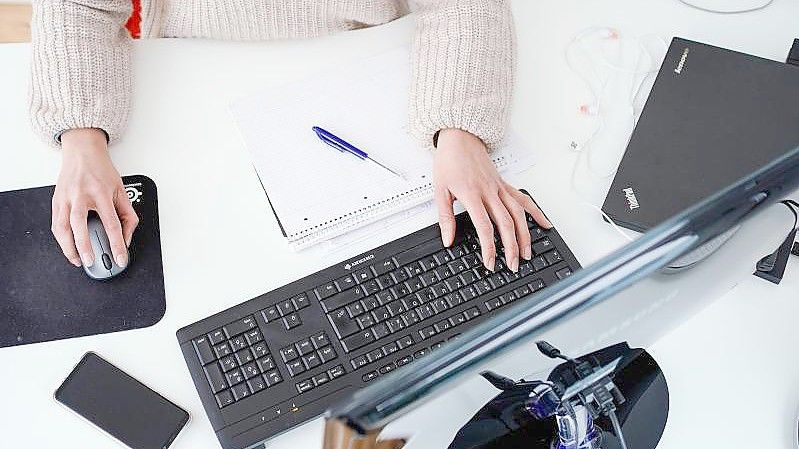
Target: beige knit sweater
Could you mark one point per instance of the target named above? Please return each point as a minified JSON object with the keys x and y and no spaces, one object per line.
{"x":463,"y":54}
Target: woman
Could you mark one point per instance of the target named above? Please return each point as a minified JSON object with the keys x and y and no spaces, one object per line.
{"x":463,"y":71}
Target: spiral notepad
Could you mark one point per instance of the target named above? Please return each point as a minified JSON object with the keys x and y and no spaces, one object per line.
{"x":316,"y":192}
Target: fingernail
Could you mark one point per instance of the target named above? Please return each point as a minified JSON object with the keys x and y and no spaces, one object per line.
{"x":88,"y":260}
{"x":527,"y":253}
{"x":122,"y":260}
{"x":513,"y":264}
{"x":548,"y":224}
{"x":491,"y":263}
{"x":75,"y":262}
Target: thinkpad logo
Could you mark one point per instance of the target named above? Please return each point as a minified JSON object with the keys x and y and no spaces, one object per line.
{"x":351,"y":265}
{"x":632,"y":201}
{"x":681,"y":64}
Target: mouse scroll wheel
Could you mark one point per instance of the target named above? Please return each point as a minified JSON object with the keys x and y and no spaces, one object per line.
{"x":107,"y":261}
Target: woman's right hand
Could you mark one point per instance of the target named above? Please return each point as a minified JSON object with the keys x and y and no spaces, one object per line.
{"x":89,"y":181}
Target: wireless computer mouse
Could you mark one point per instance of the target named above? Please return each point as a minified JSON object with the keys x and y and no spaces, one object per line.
{"x":104,"y":266}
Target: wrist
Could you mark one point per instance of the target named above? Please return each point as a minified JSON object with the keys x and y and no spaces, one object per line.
{"x":458,"y":138}
{"x":86,"y":141}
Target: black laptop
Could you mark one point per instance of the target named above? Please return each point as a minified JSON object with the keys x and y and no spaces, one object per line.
{"x":713,"y":116}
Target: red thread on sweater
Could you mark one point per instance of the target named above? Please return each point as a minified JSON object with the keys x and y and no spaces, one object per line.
{"x":134,"y":22}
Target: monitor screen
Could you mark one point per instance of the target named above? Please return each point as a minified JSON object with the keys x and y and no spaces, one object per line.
{"x":625,"y":297}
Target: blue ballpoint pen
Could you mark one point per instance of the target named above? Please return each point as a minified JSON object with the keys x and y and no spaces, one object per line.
{"x":345,"y":147}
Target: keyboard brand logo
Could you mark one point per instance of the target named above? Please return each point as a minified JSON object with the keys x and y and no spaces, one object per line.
{"x":133,"y":192}
{"x":351,"y":265}
{"x":681,"y":64}
{"x":632,"y":201}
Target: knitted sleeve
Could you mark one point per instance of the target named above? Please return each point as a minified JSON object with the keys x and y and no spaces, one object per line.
{"x":80,"y":67}
{"x":463,"y":68}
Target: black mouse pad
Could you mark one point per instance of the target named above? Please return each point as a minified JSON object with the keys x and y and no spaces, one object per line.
{"x":43,"y":297}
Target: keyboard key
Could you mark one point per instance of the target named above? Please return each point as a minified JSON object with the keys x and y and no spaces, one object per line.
{"x":443,"y":272}
{"x":215,"y":378}
{"x":291,"y":321}
{"x":426,"y":295}
{"x":384,"y":266}
{"x":238,"y":343}
{"x":228,"y":363}
{"x":342,"y":299}
{"x":381,"y":314}
{"x":244,"y":356}
{"x":454,"y":283}
{"x":469,"y":293}
{"x":457,"y":251}
{"x":375,"y":355}
{"x":526,"y":268}
{"x":395,"y":308}
{"x":203,"y":348}
{"x":311,"y":360}
{"x":412,"y":302}
{"x":443,"y":257}
{"x":410,"y":318}
{"x":301,"y":301}
{"x":366,"y":321}
{"x":417,"y":252}
{"x":511,"y":276}
{"x":359,"y":362}
{"x":250,"y":370}
{"x":386,"y":281}
{"x":493,"y":304}
{"x":467,"y":277}
{"x":553,"y":256}
{"x":427,"y":332}
{"x":453,"y":299}
{"x":414,"y":284}
{"x":357,"y":340}
{"x":542,"y":246}
{"x":289,"y":353}
{"x":405,"y":342}
{"x":304,"y":346}
{"x":563,"y":273}
{"x":457,"y":266}
{"x":295,"y":367}
{"x":507,"y":297}
{"x":224,"y":398}
{"x":380,"y":330}
{"x":435,"y":346}
{"x":405,"y":360}
{"x":442,"y":326}
{"x":371,"y":287}
{"x":222,"y":350}
{"x":336,"y":371}
{"x":326,"y":290}
{"x":345,"y":282}
{"x":217,"y":336}
{"x":326,"y":354}
{"x":253,"y":336}
{"x":421,"y":353}
{"x":539,"y":263}
{"x":372,"y":302}
{"x":371,"y":375}
{"x":320,"y":340}
{"x":414,"y":269}
{"x":235,"y":376}
{"x":270,"y":314}
{"x":260,"y":350}
{"x":439,"y":305}
{"x":285,"y":307}
{"x":497,"y":280}
{"x":272,"y":378}
{"x":342,"y":323}
{"x":471,"y":313}
{"x":536,"y":285}
{"x":425,"y":311}
{"x":522,"y":291}
{"x":440,"y":289}
{"x":240,"y":326}
{"x":400,"y":275}
{"x":483,"y":286}
{"x":429,"y":278}
{"x":305,"y":385}
{"x":355,"y":309}
{"x":257,"y":384}
{"x":363,"y":275}
{"x":457,"y":319}
{"x":390,"y":348}
{"x":395,"y":324}
{"x":320,"y":379}
{"x":387,"y":368}
{"x":240,"y":391}
{"x":265,"y":364}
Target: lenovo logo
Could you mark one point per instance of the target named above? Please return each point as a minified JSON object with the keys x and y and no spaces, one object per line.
{"x":632,"y":201}
{"x":681,"y":64}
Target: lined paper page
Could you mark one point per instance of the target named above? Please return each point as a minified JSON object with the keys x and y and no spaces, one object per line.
{"x":316,"y":191}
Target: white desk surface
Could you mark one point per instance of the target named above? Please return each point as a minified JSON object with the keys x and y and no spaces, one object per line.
{"x":181,"y":136}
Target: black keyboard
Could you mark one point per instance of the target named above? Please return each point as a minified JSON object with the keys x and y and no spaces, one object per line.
{"x":278,"y":360}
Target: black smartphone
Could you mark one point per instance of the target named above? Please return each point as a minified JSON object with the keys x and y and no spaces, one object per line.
{"x":122,"y":406}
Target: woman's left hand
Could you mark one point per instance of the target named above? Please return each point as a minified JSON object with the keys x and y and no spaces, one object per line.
{"x":463,"y":171}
